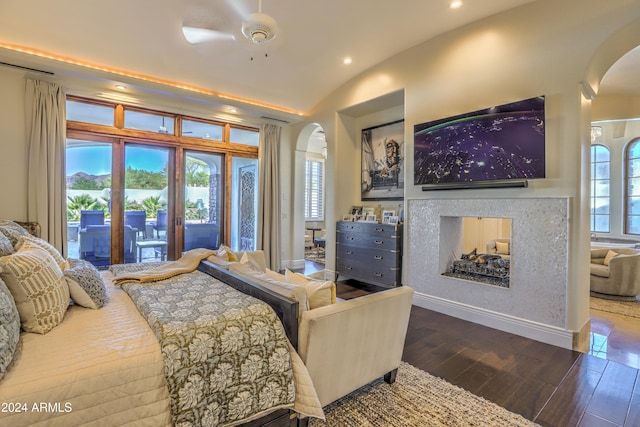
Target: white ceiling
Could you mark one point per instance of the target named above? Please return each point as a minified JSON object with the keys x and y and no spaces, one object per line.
{"x":143,"y":38}
{"x":304,"y":62}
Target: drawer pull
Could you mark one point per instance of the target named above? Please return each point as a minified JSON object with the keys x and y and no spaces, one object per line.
{"x":348,"y":238}
{"x":377,"y":257}
{"x":349,"y":252}
{"x":380,"y":229}
{"x":378,"y":274}
{"x":378,"y":242}
{"x":346,"y":267}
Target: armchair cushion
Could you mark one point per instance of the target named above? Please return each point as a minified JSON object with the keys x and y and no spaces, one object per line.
{"x":608,"y":257}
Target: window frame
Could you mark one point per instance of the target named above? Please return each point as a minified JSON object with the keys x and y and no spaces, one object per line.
{"x":627,"y":178}
{"x":319,"y":192}
{"x":592,"y":196}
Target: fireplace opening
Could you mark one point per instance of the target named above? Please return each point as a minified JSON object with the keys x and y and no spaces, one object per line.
{"x":482,"y":251}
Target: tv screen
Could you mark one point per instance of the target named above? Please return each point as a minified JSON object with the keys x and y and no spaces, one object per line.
{"x":499,"y":143}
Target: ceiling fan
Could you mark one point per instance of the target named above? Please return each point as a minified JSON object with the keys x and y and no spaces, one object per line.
{"x":259,"y":28}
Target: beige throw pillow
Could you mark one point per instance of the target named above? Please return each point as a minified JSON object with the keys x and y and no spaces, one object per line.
{"x":255,"y":260}
{"x":38,"y":288}
{"x":607,"y":258}
{"x":319,"y":292}
{"x":27,"y":242}
{"x":502,"y":248}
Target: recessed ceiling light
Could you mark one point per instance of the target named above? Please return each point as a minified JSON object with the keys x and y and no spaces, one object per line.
{"x":347,"y":60}
{"x":233,"y":110}
{"x":121,"y":87}
{"x":455,"y":4}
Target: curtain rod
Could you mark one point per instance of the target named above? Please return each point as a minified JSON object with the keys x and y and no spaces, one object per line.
{"x":27,"y":68}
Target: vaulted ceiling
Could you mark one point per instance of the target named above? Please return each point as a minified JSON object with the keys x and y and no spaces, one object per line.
{"x":141,"y":40}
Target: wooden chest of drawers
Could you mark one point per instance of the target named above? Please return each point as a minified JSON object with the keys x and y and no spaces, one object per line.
{"x":369,"y":252}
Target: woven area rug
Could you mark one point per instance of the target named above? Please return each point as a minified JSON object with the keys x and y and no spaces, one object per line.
{"x":416,"y":399}
{"x":625,"y":308}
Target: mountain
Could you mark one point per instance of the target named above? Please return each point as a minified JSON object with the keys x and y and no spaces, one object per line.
{"x":99,"y":180}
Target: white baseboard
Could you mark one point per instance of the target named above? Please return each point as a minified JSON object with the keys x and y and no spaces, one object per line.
{"x":293,"y":264}
{"x":503,"y":322}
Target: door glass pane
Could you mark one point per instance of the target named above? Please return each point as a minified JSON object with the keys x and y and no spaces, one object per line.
{"x":203,"y":222}
{"x":88,"y":173}
{"x":145,"y":203}
{"x":244,"y":204}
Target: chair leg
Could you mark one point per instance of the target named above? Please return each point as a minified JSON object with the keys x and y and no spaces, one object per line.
{"x":390,"y":377}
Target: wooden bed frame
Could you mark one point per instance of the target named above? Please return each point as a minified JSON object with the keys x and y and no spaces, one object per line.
{"x":287,"y":311}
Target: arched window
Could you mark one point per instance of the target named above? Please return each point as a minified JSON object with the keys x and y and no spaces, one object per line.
{"x":632,"y":188}
{"x":600,"y":188}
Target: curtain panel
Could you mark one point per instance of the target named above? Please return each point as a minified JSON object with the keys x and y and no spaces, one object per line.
{"x":46,"y":135}
{"x":269,"y":195}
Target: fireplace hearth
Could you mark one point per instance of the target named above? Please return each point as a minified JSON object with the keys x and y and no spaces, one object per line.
{"x":484,"y":268}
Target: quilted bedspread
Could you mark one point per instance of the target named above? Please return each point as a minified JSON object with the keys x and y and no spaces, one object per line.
{"x":226,"y":356}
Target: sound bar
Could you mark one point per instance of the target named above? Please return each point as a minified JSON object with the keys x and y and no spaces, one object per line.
{"x":511,"y":183}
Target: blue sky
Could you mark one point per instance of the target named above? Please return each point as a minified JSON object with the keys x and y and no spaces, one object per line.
{"x":96,"y":160}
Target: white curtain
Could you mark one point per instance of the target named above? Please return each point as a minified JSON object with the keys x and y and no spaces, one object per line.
{"x":269,"y":199}
{"x":46,"y":136}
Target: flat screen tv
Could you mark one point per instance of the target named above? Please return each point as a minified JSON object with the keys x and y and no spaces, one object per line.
{"x":505,"y":142}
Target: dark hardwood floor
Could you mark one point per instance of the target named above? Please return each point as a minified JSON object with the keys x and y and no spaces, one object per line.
{"x":546,"y":384}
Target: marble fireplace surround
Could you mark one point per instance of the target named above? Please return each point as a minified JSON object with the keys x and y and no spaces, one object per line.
{"x":535,"y":304}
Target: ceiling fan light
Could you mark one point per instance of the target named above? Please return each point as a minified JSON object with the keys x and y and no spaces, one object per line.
{"x":259,"y":28}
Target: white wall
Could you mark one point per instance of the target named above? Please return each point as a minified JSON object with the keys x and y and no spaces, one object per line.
{"x":543,"y":48}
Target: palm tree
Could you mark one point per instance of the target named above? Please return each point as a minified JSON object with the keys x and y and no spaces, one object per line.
{"x":81,"y":202}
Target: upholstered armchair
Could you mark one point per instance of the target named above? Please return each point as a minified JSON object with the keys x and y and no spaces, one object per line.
{"x":615,"y":273}
{"x":500,"y":247}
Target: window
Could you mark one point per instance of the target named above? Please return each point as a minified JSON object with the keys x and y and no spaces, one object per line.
{"x":314,"y":190}
{"x":600,"y":189}
{"x":152,"y":151}
{"x":632,"y":187}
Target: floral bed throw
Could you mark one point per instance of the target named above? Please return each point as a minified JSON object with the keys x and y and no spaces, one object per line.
{"x":226,"y":354}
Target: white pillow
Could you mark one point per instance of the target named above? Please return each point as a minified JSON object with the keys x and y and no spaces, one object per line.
{"x":502,"y":248}
{"x":319,"y":292}
{"x":291,"y":291}
{"x":38,"y":288}
{"x":255,"y":260}
{"x":610,"y":255}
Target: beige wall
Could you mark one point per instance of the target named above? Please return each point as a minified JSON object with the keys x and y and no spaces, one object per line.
{"x":543,"y":48}
{"x":13,"y":149}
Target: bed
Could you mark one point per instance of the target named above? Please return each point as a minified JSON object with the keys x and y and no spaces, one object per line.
{"x":106,"y":367}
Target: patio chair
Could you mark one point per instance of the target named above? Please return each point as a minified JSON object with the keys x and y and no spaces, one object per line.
{"x":161,"y":222}
{"x":138,"y":221}
{"x":201,"y":236}
{"x":95,"y":244}
{"x":91,"y":217}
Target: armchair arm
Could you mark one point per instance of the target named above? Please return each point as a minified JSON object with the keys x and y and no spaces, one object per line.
{"x":624,"y":272}
{"x":349,"y":344}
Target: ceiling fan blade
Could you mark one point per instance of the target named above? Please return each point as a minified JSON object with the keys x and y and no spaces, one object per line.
{"x":195,"y":35}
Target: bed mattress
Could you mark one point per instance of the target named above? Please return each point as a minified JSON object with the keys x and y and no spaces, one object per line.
{"x":98,"y":367}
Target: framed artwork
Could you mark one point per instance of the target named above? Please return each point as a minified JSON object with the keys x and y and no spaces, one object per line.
{"x":393,"y":220}
{"x":387,"y":213}
{"x":347,"y":217}
{"x":356,"y":210}
{"x":370,"y":218}
{"x":383,"y":162}
{"x":367,"y":211}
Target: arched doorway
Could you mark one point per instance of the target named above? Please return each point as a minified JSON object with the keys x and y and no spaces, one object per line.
{"x":309,"y":202}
